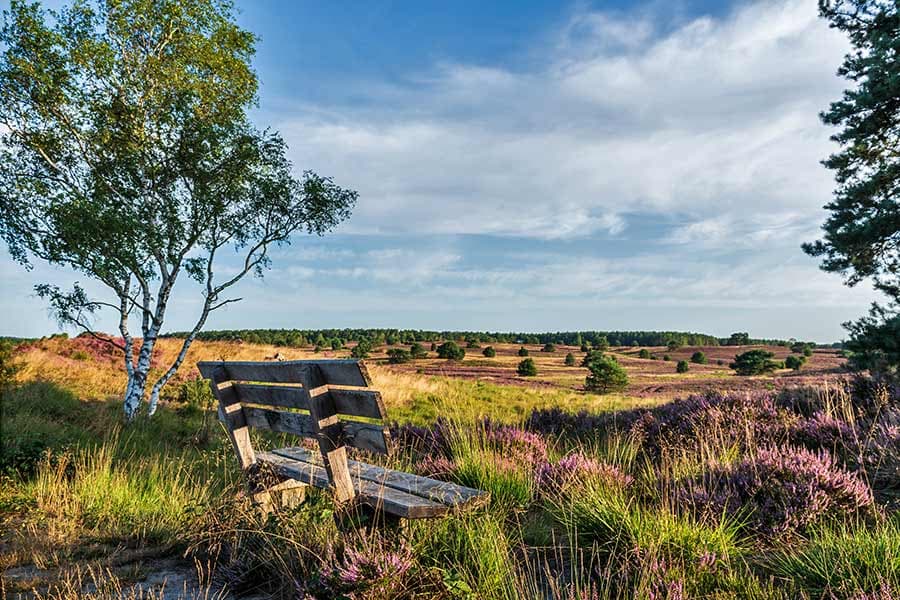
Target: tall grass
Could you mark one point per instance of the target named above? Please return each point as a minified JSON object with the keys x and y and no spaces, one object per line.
{"x":105,"y":493}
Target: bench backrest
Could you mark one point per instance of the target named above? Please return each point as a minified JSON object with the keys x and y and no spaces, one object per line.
{"x":253,"y":394}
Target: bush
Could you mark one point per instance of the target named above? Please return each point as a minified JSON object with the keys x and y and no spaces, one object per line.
{"x":644,"y":353}
{"x":450,"y":351}
{"x":527,"y":368}
{"x":570,"y":360}
{"x":523,"y":351}
{"x":673,"y":345}
{"x":666,"y":357}
{"x":361,"y":349}
{"x":591,"y":357}
{"x":794,"y":362}
{"x":682,"y":366}
{"x":489,"y":352}
{"x":336,"y":344}
{"x":548,"y":347}
{"x":398,"y":356}
{"x":698,"y":358}
{"x":585,"y":348}
{"x":606,"y":377}
{"x":473,"y":344}
{"x":780,"y":491}
{"x":754,"y":362}
{"x":417,"y":351}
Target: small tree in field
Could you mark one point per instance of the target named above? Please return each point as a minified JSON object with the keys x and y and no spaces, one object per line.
{"x":127,"y":154}
{"x":606,"y":376}
{"x":361,"y":349}
{"x":570,"y":360}
{"x":398,"y":356}
{"x":489,"y":352}
{"x":548,"y":347}
{"x":794,"y":362}
{"x":592,"y":356}
{"x":754,"y":362}
{"x":698,"y":358}
{"x":644,"y":353}
{"x":523,"y":351}
{"x":527,"y":368}
{"x":450,"y":351}
{"x":682,"y":367}
{"x":417,"y":351}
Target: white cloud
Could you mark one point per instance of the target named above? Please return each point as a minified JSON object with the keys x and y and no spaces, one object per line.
{"x":715,"y":119}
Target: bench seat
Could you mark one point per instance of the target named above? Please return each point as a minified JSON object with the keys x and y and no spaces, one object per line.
{"x":403,"y":495}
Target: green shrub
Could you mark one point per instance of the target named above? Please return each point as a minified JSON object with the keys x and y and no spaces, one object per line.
{"x":585,"y":348}
{"x":570,"y":360}
{"x":523,"y":351}
{"x":606,"y":376}
{"x":682,"y":366}
{"x":673,"y":345}
{"x":398,"y":356}
{"x":807,"y":351}
{"x":548,"y":347}
{"x":644,"y":353}
{"x":666,"y":357}
{"x":450,"y":351}
{"x":336,"y":344}
{"x":698,"y":358}
{"x":794,"y":362}
{"x":527,"y":368}
{"x":592,"y":356}
{"x":754,"y":362}
{"x":361,"y":349}
{"x":489,"y":352}
{"x":473,"y":344}
{"x":417,"y":351}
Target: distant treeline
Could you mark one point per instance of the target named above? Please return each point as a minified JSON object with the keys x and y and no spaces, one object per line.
{"x":337,"y":338}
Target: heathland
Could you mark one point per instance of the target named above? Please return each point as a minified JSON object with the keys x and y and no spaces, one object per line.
{"x":688,"y":484}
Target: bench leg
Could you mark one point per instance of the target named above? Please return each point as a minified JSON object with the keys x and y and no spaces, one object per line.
{"x":286,"y":494}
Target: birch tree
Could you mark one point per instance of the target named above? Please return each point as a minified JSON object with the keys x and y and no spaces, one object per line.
{"x":127,"y":154}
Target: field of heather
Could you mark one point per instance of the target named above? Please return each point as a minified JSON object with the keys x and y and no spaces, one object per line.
{"x":694,"y":485}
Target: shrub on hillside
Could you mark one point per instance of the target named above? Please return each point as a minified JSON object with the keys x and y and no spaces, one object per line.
{"x":698,"y":358}
{"x":398,"y":356}
{"x":527,"y":368}
{"x":585,"y":347}
{"x":592,"y":356}
{"x":417,"y":351}
{"x":450,"y":351}
{"x":472,"y":344}
{"x":606,"y":377}
{"x":361,"y":349}
{"x":523,"y":351}
{"x":666,"y":357}
{"x":644,"y":353}
{"x":754,"y":362}
{"x":548,"y":347}
{"x":673,"y":345}
{"x":489,"y":352}
{"x":794,"y":362}
{"x":779,"y":491}
{"x":682,"y":366}
{"x":570,"y":360}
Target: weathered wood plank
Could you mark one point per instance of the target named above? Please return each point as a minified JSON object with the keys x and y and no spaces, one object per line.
{"x":280,"y":421}
{"x":380,"y":497}
{"x":310,"y":373}
{"x":450,"y":494}
{"x":356,"y":403}
{"x":365,"y":436}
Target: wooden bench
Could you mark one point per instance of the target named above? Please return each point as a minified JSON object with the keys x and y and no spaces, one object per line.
{"x":330,"y":393}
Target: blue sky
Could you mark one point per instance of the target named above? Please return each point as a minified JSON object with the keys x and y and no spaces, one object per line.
{"x":542,"y":166}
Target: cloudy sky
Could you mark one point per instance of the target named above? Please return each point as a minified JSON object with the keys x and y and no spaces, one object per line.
{"x":543,"y":166}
